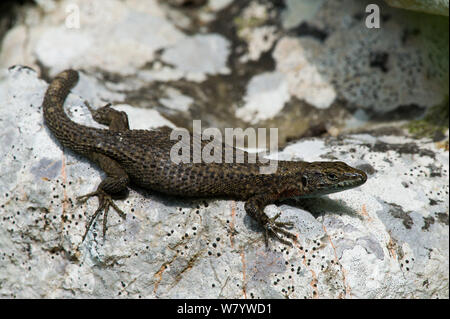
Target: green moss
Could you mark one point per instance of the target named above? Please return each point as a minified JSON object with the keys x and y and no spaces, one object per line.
{"x":252,"y":22}
{"x":435,"y":121}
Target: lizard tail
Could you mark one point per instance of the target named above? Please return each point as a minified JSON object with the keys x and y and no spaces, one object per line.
{"x":54,"y":115}
{"x":57,"y":92}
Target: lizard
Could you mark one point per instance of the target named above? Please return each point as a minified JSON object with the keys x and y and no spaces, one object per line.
{"x":141,"y":158}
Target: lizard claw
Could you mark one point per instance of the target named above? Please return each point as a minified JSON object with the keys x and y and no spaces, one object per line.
{"x":104,"y":202}
{"x":274,"y":228}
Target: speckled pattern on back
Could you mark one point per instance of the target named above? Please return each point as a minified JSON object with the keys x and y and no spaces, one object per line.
{"x":142,"y":157}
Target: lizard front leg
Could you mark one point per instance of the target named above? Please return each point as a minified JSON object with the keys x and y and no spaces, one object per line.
{"x":116,"y":182}
{"x":254,"y":206}
{"x":117,"y":179}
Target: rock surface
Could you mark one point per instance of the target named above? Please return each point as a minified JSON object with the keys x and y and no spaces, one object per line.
{"x":386,"y":239}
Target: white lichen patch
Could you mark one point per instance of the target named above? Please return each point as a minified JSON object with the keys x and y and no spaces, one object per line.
{"x":265,"y":97}
{"x":160,"y":73}
{"x":108,"y":36}
{"x":255,"y":12}
{"x":305,"y":81}
{"x":259,"y":40}
{"x":310,"y":150}
{"x":175,"y":100}
{"x":252,"y":29}
{"x":55,"y":46}
{"x":199,"y":56}
{"x":299,"y":11}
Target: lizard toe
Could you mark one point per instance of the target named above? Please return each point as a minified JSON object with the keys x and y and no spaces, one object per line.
{"x":104,"y":203}
{"x":272,"y":229}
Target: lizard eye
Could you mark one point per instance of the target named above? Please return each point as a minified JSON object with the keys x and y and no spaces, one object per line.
{"x":332,"y":176}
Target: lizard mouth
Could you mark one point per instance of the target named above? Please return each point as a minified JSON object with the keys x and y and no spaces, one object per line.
{"x":351,"y":180}
{"x":348,"y":184}
{"x":356,"y":179}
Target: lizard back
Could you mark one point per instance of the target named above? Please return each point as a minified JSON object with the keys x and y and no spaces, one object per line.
{"x":145,"y":154}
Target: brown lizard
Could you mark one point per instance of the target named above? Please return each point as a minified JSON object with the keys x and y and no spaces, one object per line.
{"x":142,"y":157}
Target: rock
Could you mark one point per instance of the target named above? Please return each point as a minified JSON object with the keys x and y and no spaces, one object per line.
{"x":386,"y":239}
{"x":198,"y":56}
{"x":307,"y":68}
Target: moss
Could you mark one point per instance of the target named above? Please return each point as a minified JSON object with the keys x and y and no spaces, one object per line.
{"x":434,"y":123}
{"x":252,"y":22}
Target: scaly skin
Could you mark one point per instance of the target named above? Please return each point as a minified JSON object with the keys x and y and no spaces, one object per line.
{"x":142,"y":157}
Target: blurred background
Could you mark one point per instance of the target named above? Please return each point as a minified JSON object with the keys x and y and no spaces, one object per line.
{"x":307,"y":67}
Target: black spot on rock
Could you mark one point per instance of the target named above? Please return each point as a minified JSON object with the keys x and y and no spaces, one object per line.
{"x":379,"y":60}
{"x":305,"y":29}
{"x":397,"y":212}
{"x":427,"y":221}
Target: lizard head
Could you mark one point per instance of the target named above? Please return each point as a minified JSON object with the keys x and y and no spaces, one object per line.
{"x":321,"y":178}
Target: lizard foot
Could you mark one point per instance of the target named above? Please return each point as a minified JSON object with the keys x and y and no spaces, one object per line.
{"x":104,"y":202}
{"x":274,"y":228}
